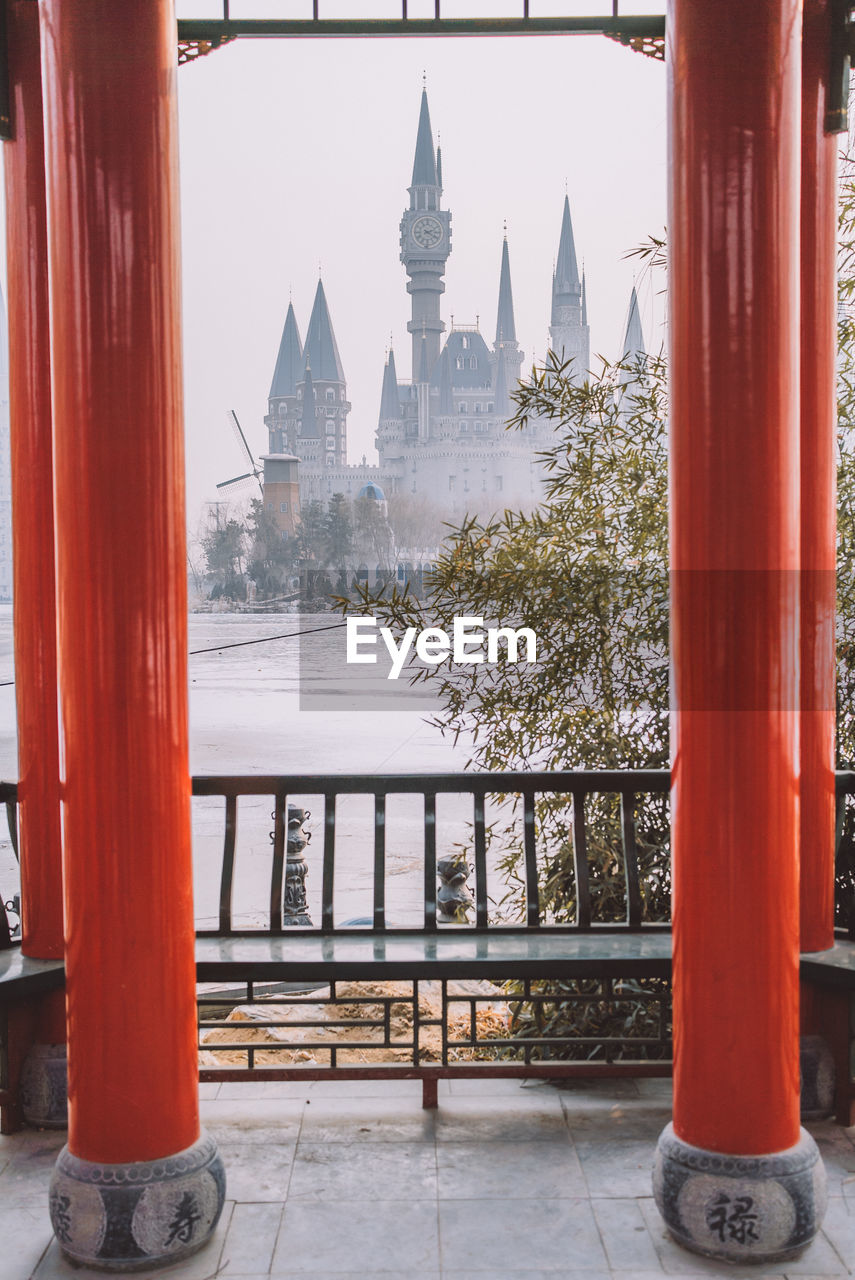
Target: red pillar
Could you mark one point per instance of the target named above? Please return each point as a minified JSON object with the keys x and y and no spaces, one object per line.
{"x":818,"y":483}
{"x":110,"y":75}
{"x":110,"y":107}
{"x":32,"y":499}
{"x":734,"y":112}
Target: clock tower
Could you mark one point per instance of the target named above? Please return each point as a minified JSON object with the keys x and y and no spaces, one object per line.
{"x":425,"y":244}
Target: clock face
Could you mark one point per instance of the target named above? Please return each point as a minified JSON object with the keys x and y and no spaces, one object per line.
{"x":427,"y":232}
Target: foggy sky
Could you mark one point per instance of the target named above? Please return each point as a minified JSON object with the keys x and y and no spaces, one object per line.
{"x":295,"y":153}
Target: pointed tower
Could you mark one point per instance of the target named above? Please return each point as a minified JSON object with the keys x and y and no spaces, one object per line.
{"x":507,"y":355}
{"x":569,"y":335}
{"x":280,"y":420}
{"x":634,"y":355}
{"x":633,"y":339}
{"x":425,"y":243}
{"x":325,"y":377}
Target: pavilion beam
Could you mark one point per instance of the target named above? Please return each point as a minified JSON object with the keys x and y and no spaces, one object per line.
{"x":40,"y":833}
{"x":734,"y":128}
{"x":137,"y":1184}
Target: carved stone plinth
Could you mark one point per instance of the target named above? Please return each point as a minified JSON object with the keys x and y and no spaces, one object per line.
{"x":133,"y":1217}
{"x":740,"y":1208}
{"x":44,"y":1086}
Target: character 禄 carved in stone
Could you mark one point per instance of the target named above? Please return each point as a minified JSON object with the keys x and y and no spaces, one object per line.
{"x":295,"y":909}
{"x":733,"y":1219}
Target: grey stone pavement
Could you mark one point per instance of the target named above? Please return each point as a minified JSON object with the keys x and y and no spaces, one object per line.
{"x":505,"y":1181}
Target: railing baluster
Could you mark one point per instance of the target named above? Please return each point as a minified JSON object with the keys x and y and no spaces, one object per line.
{"x":480,"y":864}
{"x":329,"y":862}
{"x":380,"y":862}
{"x":532,"y":894}
{"x":580,"y":864}
{"x":430,"y":860}
{"x":278,"y":869}
{"x":630,"y":861}
{"x":228,"y":865}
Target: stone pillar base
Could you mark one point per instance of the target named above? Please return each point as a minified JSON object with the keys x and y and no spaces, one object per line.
{"x":816,"y":1064}
{"x":740,"y":1208}
{"x":131,"y":1217}
{"x":44,"y":1086}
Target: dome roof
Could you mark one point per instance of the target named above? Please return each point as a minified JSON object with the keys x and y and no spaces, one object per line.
{"x":372,"y":491}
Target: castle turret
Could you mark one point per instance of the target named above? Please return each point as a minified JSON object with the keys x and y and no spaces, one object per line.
{"x":569,"y":335}
{"x":321,"y":355}
{"x":508,"y":357}
{"x":633,"y":355}
{"x":425,"y":243}
{"x":287,"y":373}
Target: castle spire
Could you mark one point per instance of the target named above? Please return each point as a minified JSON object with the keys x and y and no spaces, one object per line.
{"x":390,"y":405}
{"x":289,"y":361}
{"x":505,"y":327}
{"x":566,"y":270}
{"x":633,"y":340}
{"x":424,"y":162}
{"x":321,"y":349}
{"x":584,"y":298}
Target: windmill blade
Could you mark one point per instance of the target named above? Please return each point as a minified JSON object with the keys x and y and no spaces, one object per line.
{"x":241,"y":439}
{"x":238,"y":482}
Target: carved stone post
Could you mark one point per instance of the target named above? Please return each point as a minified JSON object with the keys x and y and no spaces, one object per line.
{"x":295,"y":909}
{"x":453,"y":898}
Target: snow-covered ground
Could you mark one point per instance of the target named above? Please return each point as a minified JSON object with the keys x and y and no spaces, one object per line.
{"x":245,"y":717}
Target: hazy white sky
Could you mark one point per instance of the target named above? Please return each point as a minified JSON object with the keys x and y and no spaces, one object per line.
{"x":300,"y":152}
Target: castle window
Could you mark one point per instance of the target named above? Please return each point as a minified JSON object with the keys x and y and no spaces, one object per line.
{"x":330,"y":460}
{"x":498,"y":484}
{"x":479,"y":426}
{"x":473,"y":362}
{"x":330,"y":393}
{"x":283,"y":506}
{"x":331,"y":428}
{"x":270,"y":506}
{"x":465,"y":342}
{"x":460,"y":362}
{"x":489,"y":408}
{"x":464,"y":426}
{"x":330,"y":443}
{"x":284,"y":535}
{"x":452,"y":482}
{"x":462,"y":408}
{"x":477,"y":408}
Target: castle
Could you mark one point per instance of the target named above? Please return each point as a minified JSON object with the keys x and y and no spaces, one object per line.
{"x":441,"y":434}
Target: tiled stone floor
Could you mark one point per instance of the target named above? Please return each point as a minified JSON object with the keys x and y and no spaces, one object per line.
{"x":505,"y":1181}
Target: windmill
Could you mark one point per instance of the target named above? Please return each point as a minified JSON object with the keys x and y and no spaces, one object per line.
{"x":256,"y":472}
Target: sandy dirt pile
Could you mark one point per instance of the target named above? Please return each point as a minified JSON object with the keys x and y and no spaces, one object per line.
{"x":246,"y":1025}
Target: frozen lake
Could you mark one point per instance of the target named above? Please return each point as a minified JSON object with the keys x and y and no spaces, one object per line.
{"x":245,"y":717}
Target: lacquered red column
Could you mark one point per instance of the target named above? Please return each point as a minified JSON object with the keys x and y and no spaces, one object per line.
{"x":734,"y":88}
{"x":32,"y":500}
{"x":818,"y":483}
{"x":110,"y":84}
